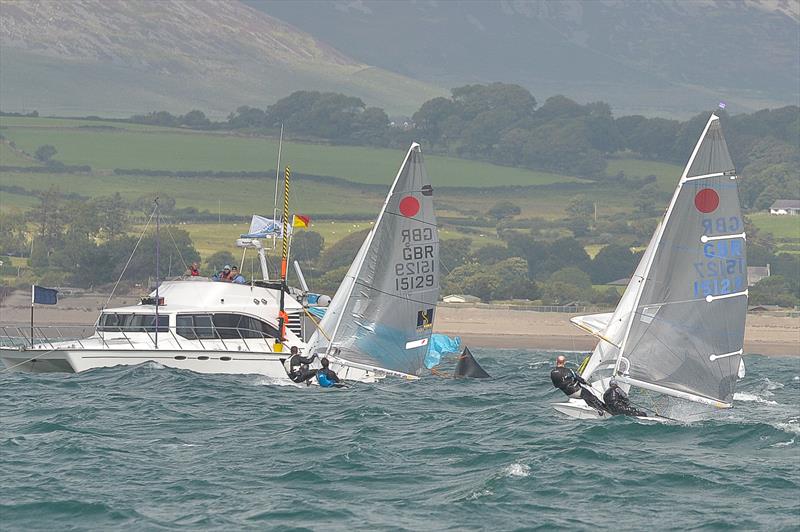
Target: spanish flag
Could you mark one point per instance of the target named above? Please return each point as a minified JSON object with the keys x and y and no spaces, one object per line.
{"x":300,"y":221}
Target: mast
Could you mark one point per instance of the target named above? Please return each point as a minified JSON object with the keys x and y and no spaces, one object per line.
{"x":368,"y":241}
{"x":158,"y":278}
{"x":282,"y":316}
{"x":660,"y":233}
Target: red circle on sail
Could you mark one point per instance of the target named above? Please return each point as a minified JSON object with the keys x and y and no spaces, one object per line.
{"x":707,"y":200}
{"x":409,"y":206}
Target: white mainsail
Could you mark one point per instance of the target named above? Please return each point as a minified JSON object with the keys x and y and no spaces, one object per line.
{"x":382,"y":314}
{"x":685,"y":332}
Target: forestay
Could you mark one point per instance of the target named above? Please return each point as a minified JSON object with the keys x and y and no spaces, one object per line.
{"x":382,"y":314}
{"x":686,"y":336}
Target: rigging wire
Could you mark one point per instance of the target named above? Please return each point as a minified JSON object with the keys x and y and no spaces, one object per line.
{"x":130,"y":258}
{"x":177,"y":248}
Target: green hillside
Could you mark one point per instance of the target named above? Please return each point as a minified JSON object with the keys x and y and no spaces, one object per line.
{"x":153,"y":148}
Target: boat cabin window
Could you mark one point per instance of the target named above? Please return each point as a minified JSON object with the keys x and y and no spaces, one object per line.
{"x":118,"y":322}
{"x":222,"y":325}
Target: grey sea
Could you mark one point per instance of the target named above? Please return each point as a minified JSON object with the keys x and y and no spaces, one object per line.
{"x":150,"y":448}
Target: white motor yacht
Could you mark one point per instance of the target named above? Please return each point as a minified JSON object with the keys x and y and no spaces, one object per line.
{"x":202,"y":325}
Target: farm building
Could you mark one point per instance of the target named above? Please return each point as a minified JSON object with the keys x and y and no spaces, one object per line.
{"x":784,"y":207}
{"x":756,"y":273}
{"x":461,"y":298}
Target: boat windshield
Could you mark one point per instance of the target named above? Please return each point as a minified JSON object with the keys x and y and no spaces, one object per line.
{"x":124,"y":322}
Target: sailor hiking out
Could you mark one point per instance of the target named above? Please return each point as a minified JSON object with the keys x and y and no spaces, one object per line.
{"x":297,"y":366}
{"x":617,"y":402}
{"x":573,"y":385}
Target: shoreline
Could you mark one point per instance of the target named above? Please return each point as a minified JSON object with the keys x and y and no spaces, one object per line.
{"x":770,"y":334}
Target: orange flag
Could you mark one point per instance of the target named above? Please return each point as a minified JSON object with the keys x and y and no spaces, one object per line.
{"x":300,"y":221}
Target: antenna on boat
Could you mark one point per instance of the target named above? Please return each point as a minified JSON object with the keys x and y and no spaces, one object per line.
{"x":158,"y":279}
{"x":277,"y":178}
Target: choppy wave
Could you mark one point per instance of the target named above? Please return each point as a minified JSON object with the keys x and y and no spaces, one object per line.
{"x":743,"y":396}
{"x":152,"y":448}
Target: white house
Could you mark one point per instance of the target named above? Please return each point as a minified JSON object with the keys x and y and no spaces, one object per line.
{"x":785,"y":206}
{"x":461,"y":298}
{"x":756,"y":273}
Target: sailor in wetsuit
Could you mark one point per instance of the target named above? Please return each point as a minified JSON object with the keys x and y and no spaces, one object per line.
{"x":568,"y":381}
{"x":297,"y":366}
{"x":326,"y":377}
{"x":617,"y":402}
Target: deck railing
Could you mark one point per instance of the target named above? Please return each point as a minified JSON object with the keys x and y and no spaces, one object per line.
{"x":47,"y":338}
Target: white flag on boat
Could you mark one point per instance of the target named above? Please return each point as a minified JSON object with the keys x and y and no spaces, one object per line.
{"x":261,"y":227}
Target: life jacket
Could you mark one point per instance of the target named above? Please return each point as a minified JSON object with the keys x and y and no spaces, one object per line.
{"x":323,"y":380}
{"x":195,"y":272}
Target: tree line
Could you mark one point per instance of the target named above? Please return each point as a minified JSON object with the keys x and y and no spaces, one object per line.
{"x":504,"y":124}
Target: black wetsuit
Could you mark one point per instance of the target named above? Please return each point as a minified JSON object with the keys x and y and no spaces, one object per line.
{"x":618,"y":404}
{"x":299,"y":370}
{"x":569,"y":382}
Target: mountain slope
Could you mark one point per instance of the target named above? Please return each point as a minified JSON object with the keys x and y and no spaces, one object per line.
{"x":113,"y":57}
{"x":657,"y":57}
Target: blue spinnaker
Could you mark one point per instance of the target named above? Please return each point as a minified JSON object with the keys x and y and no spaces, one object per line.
{"x":440,"y":345}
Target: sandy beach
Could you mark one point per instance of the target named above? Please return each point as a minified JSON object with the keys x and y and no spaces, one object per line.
{"x":773,"y":333}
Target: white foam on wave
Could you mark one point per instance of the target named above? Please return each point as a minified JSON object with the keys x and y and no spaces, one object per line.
{"x":791,"y":426}
{"x":266,"y":381}
{"x":783,"y":443}
{"x":478,"y":494}
{"x":772,"y":385}
{"x":517,"y":470}
{"x":751,"y":397}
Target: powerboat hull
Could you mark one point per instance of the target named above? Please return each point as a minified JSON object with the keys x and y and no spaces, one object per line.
{"x":268,"y":364}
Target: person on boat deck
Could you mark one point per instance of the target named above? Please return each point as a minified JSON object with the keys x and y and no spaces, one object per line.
{"x":568,"y":381}
{"x":194,"y":270}
{"x":326,"y":377}
{"x":298,"y":366}
{"x":237,"y":277}
{"x":224,"y":275}
{"x":617,"y":402}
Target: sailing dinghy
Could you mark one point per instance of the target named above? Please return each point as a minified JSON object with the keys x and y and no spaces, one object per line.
{"x":678,"y":330}
{"x":381,"y":318}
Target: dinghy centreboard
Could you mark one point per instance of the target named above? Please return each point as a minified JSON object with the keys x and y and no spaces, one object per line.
{"x":678,"y":330}
{"x":381,"y":317}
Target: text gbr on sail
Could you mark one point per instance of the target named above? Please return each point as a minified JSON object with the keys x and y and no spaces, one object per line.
{"x":416,"y":269}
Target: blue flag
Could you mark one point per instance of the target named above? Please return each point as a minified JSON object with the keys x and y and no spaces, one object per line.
{"x":44,"y":296}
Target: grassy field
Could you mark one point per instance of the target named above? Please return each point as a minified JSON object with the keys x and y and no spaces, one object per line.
{"x":666,"y":174}
{"x":210,"y":238}
{"x":42,"y":122}
{"x":169,"y":149}
{"x":786,"y":228}
{"x":231,"y":196}
{"x":8,"y":157}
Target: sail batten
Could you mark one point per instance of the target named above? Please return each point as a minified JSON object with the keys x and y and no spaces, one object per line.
{"x":696,"y":257}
